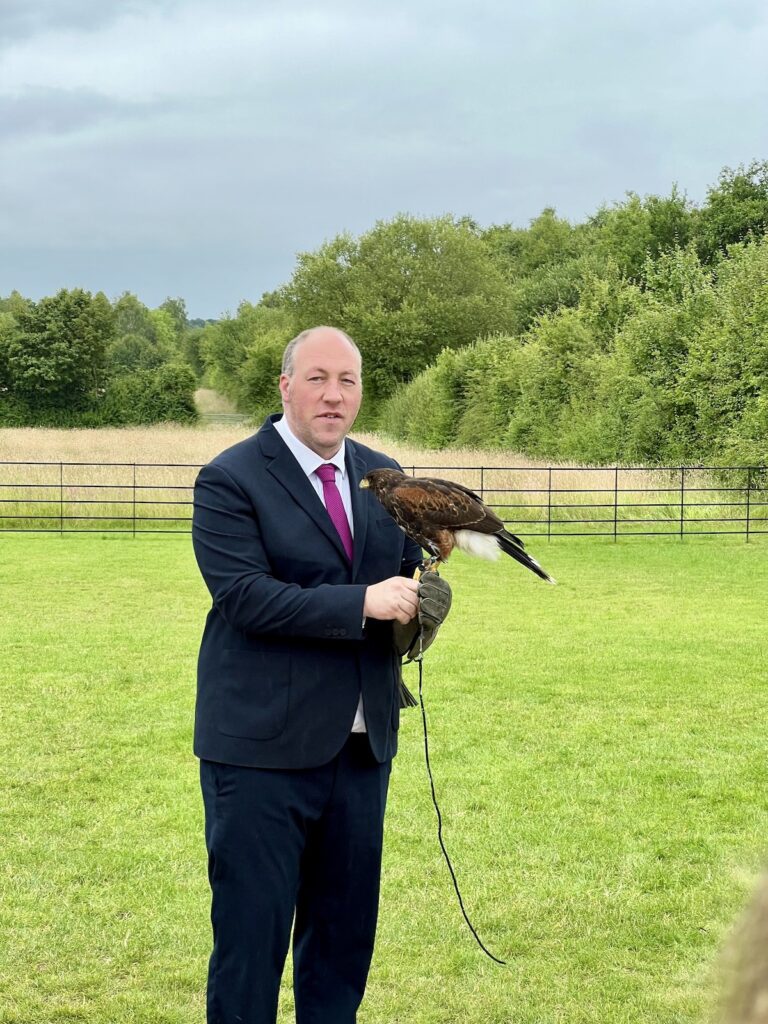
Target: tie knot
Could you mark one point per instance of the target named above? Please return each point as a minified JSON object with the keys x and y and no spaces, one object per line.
{"x":327,"y":473}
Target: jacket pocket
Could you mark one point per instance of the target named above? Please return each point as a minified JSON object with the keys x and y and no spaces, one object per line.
{"x":253,"y":694}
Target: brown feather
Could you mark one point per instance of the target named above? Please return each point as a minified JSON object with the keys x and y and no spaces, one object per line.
{"x":431,"y":511}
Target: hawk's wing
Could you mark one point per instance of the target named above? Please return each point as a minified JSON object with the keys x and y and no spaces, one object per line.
{"x":430,"y":503}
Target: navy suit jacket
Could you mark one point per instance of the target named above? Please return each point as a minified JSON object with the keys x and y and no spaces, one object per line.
{"x":284,"y":654}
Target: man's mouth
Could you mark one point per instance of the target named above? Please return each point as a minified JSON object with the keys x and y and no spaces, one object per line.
{"x":329,"y":416}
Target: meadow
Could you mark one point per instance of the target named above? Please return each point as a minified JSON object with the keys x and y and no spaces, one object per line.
{"x":599,"y":756}
{"x":140,"y":479}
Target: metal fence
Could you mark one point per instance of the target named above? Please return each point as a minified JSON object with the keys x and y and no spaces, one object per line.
{"x":550,"y":501}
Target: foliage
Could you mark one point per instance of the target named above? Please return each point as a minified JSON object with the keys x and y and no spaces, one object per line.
{"x":176,"y":311}
{"x":243,"y":356}
{"x":133,"y":317}
{"x":736,"y":208}
{"x":146,"y":339}
{"x":551,"y":288}
{"x":146,"y":396}
{"x":631,"y":232}
{"x":520,"y":252}
{"x":455,"y":400}
{"x":76,"y":360}
{"x":673,"y":371}
{"x":191,"y":350}
{"x":638,"y":335}
{"x":725,"y":377}
{"x":131,"y":352}
{"x":405,"y":290}
{"x":53,"y":352}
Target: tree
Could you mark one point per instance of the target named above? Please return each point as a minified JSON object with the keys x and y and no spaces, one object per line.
{"x":631,"y":232}
{"x":144,"y":339}
{"x":404,"y":291}
{"x":133,"y":317}
{"x":190,"y":350}
{"x":15,"y":304}
{"x":725,"y":376}
{"x":177,"y":311}
{"x":242,"y":355}
{"x":736,"y":207}
{"x":152,"y":396}
{"x":55,"y":356}
{"x":132,"y":352}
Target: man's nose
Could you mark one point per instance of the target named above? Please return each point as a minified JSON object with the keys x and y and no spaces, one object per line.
{"x":332,"y":392}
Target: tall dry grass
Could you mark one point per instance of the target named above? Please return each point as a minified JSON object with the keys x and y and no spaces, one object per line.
{"x":140,"y":478}
{"x":168,"y":442}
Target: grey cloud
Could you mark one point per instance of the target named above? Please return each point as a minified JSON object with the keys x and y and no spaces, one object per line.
{"x":210,"y":185}
{"x":22,"y":19}
{"x":60,"y":112}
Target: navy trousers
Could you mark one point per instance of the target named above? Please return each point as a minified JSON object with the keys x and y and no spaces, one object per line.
{"x":301,"y":846}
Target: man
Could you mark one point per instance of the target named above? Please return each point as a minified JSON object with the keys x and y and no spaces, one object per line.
{"x":297,"y":716}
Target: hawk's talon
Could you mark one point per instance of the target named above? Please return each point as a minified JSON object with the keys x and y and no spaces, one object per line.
{"x":429,"y":565}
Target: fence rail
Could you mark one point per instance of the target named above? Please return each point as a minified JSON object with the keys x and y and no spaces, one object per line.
{"x":549,"y":501}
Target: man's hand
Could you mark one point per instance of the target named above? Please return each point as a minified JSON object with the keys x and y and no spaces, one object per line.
{"x":434,"y":596}
{"x":396,"y":598}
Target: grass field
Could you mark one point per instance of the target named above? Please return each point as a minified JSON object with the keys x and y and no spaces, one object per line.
{"x":599,"y":754}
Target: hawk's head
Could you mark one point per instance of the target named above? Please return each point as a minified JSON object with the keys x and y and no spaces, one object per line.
{"x":382,"y":481}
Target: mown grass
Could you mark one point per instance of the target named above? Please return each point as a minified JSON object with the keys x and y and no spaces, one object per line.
{"x":599,"y":754}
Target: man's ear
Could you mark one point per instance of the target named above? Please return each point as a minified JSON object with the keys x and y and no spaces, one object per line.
{"x":285,"y":381}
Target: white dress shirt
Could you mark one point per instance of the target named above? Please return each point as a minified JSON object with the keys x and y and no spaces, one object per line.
{"x":309,"y":462}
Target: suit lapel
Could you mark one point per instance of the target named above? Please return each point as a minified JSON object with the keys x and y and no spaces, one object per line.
{"x":289,"y":474}
{"x":357,"y":469}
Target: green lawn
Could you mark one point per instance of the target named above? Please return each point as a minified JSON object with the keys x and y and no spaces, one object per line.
{"x":599,"y":751}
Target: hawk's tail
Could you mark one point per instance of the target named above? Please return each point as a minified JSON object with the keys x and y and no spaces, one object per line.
{"x":514,"y":547}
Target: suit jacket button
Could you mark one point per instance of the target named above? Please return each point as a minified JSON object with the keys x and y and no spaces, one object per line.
{"x":342,"y":632}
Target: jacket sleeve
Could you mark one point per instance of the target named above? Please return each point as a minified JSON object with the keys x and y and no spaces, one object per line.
{"x":231,"y":556}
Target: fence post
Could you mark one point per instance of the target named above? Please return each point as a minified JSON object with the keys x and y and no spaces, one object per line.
{"x":682,"y":501}
{"x":549,"y":503}
{"x":615,"y":501}
{"x":482,"y":483}
{"x":749,"y":489}
{"x":61,"y":498}
{"x":134,"y":499}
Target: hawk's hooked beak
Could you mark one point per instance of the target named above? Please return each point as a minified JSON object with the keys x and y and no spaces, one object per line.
{"x":364,"y":484}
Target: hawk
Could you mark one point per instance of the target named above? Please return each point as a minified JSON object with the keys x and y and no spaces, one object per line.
{"x":441,"y":515}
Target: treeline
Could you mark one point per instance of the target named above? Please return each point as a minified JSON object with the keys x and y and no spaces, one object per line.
{"x":670,"y":371}
{"x":76,"y":359}
{"x":640,"y":334}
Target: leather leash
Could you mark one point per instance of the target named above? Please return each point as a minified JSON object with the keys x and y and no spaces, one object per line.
{"x":420,"y":659}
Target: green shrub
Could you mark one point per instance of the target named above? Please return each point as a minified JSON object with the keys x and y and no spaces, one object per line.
{"x":147,"y":396}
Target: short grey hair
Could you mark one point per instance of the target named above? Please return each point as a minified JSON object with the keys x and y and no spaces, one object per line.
{"x":293,"y":344}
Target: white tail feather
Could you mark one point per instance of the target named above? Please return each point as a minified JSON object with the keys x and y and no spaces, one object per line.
{"x":481,"y":545}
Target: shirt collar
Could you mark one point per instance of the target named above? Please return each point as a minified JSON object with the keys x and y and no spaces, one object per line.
{"x":306,"y":458}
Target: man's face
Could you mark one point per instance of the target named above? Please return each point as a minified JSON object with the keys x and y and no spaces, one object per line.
{"x":322,"y":397}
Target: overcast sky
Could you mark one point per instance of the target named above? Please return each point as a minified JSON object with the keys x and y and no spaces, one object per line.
{"x":182,"y":147}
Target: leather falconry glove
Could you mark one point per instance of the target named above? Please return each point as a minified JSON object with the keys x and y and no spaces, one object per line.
{"x":414,"y":638}
{"x":434,"y":605}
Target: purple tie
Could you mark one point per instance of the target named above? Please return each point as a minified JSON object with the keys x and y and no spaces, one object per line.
{"x":335,"y":505}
